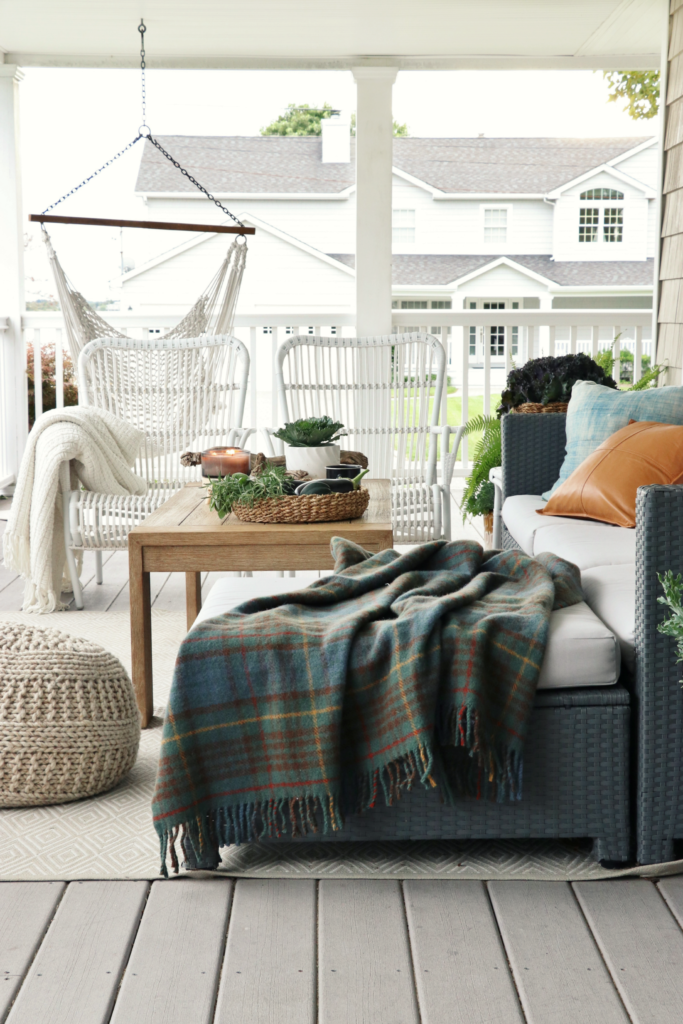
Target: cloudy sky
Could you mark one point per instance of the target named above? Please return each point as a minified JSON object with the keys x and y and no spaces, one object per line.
{"x":72,"y":121}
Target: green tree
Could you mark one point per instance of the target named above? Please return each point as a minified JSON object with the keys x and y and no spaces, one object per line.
{"x":305,"y":120}
{"x":298,"y":120}
{"x":639,"y":88}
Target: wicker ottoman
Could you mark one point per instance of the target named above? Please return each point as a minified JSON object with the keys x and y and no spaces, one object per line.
{"x":69,"y":724}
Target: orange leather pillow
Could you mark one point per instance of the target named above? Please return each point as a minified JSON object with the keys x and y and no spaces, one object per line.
{"x":604,"y":486}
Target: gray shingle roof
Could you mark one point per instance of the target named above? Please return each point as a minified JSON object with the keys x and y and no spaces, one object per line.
{"x":438,"y":270}
{"x":290,"y":164}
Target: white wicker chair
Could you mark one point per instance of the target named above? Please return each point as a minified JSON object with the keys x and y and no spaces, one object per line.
{"x":184,"y":394}
{"x":387,"y":391}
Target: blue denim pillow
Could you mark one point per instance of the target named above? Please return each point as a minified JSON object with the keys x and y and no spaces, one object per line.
{"x":595,"y":412}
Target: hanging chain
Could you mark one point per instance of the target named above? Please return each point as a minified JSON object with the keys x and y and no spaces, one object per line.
{"x":95,"y":173}
{"x":142,"y":28}
{"x":144,"y":132}
{"x":194,"y":181}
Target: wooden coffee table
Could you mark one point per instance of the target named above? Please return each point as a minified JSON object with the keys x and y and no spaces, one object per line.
{"x":184,"y":535}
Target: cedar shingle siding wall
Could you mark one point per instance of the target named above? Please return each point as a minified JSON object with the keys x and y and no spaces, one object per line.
{"x":670,"y":343}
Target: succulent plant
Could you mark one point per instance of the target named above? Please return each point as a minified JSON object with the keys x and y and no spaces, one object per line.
{"x":316,"y":432}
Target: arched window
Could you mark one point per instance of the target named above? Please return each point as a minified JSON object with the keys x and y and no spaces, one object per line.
{"x":602,"y":193}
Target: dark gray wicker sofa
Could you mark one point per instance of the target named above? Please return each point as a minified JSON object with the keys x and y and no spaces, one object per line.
{"x":576,"y":770}
{"x":533,"y":450}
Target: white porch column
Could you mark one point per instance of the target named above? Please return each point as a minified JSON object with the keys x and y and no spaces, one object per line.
{"x":13,"y":384}
{"x":374,"y":140}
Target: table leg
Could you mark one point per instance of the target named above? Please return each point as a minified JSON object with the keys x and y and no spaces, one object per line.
{"x":193,"y":596}
{"x":140,"y":632}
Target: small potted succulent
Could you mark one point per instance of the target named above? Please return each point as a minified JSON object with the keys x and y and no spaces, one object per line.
{"x":311,"y":444}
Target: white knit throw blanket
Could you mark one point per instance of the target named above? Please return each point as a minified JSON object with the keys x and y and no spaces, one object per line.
{"x":100,"y":449}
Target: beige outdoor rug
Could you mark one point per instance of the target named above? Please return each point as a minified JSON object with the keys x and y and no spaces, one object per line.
{"x":111,"y":836}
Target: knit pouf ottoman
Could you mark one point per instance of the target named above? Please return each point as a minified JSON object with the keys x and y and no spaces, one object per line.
{"x":69,"y":724}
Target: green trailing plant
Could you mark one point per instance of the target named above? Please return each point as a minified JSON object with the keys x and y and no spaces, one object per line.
{"x":240,"y":489}
{"x":673,"y":600}
{"x":477,"y":499}
{"x":316,"y":432}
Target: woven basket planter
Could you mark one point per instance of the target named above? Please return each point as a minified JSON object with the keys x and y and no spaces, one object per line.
{"x":538,"y":407}
{"x":306,"y":508}
{"x":69,"y":724}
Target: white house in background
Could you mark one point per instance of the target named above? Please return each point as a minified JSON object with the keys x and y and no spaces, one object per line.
{"x":477,"y":223}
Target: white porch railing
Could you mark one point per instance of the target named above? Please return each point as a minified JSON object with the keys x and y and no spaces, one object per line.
{"x":482,"y":347}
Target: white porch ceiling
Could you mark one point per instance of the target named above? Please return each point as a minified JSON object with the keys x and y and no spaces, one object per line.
{"x":410,"y":34}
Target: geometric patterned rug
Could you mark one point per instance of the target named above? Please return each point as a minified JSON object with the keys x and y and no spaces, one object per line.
{"x":111,"y":836}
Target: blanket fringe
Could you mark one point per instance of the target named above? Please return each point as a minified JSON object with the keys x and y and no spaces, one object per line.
{"x":200,"y":838}
{"x":491,"y":772}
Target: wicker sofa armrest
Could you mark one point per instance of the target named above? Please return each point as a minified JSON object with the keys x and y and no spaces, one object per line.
{"x":658,"y":701}
{"x":533,"y":451}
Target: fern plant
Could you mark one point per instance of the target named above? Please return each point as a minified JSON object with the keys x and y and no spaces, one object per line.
{"x":316,"y":432}
{"x":477,"y":499}
{"x":606,"y":359}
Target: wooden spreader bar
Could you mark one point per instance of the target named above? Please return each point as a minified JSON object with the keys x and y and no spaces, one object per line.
{"x":159,"y":225}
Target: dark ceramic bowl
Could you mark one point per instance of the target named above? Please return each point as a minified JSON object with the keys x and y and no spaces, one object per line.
{"x":345,"y":472}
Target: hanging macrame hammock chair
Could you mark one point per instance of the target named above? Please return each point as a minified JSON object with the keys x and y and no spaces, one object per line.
{"x":214,"y":310}
{"x":212,"y":313}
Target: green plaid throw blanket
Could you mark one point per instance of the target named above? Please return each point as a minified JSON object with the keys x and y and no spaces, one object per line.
{"x":292,"y":710}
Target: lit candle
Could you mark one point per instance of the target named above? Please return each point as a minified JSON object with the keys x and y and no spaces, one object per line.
{"x":224,"y":462}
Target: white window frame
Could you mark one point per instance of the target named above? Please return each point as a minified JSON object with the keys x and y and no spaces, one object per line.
{"x":600,"y":205}
{"x":409,"y":227}
{"x":508,"y":224}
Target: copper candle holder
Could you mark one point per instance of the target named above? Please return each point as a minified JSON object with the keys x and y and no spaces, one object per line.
{"x":218,"y":462}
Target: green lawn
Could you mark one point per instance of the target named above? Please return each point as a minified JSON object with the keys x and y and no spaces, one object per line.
{"x":475,"y":407}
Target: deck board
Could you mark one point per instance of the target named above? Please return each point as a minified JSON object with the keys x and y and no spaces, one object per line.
{"x":269,"y":970}
{"x":75,"y":974}
{"x":559,"y":973}
{"x":364,"y":966}
{"x":461,"y":970}
{"x":672,"y":891}
{"x":172,"y":974}
{"x":641,"y":943}
{"x":26,"y":909}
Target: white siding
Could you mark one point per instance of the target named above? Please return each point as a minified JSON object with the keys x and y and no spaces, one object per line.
{"x":642,"y":166}
{"x":279,"y":277}
{"x":502,"y":282}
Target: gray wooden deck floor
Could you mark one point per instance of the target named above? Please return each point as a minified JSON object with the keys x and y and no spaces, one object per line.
{"x":335,"y":952}
{"x":286,"y":951}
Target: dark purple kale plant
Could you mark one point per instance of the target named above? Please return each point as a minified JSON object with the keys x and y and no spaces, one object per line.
{"x":550,"y":379}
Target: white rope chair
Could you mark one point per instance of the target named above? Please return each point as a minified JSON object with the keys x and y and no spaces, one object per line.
{"x":184,"y":394}
{"x":387,"y":391}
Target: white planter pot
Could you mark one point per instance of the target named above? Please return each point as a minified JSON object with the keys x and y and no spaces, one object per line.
{"x":312,"y":460}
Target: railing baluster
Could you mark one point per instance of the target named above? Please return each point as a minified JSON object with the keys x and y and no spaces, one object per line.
{"x":616,"y":352}
{"x":487,"y":371}
{"x":59,"y":368}
{"x":464,"y":406}
{"x":37,"y":373}
{"x":638,"y":356}
{"x":551,"y":340}
{"x":573,"y":331}
{"x":595,"y":341}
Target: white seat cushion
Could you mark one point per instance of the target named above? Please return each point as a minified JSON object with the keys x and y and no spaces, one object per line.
{"x":581,"y":650}
{"x":611,"y":592}
{"x":586,"y":544}
{"x":227,"y":593}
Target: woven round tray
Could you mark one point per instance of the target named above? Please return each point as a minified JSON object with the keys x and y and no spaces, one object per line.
{"x":306,"y":508}
{"x":538,"y":407}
